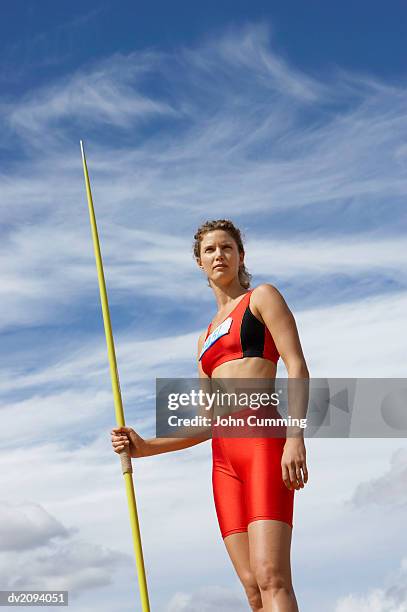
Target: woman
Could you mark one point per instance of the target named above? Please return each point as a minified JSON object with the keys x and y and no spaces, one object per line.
{"x":253,"y":480}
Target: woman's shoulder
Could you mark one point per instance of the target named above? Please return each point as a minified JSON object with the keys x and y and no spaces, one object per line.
{"x":266,"y":295}
{"x":266,"y":291}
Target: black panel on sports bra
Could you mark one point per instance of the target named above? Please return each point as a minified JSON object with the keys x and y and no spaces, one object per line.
{"x":252,"y":335}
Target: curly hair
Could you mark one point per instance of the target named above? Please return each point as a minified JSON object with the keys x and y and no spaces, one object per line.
{"x":227,"y":226}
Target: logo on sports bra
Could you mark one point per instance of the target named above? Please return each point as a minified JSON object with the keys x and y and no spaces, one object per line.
{"x":217,"y":333}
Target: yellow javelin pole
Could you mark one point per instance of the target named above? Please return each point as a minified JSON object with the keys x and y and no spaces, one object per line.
{"x":124,"y":456}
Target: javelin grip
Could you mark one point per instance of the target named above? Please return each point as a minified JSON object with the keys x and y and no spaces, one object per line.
{"x":125,"y":458}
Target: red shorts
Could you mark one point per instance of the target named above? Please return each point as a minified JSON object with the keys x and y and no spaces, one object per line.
{"x":247,"y":482}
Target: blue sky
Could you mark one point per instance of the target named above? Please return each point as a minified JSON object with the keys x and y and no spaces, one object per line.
{"x":288,"y":118}
{"x":315,"y":35}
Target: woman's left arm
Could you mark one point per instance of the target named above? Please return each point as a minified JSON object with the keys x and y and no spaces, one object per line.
{"x":269,"y":305}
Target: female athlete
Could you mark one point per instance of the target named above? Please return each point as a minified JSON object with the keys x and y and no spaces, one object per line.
{"x":254,"y":479}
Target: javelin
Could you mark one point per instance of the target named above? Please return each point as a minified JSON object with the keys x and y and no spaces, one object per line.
{"x":127,"y":468}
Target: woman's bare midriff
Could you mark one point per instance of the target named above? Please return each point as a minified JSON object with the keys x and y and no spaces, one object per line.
{"x":259,"y":375}
{"x":247,"y":367}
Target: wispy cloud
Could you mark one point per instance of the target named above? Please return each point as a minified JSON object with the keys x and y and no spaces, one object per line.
{"x":103,"y":95}
{"x":52,"y":267}
{"x":205,"y":144}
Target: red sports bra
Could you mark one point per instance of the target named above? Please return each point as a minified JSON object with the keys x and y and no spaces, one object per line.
{"x":240,"y":335}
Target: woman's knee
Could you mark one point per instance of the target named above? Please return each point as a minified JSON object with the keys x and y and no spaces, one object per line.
{"x":271,"y":578}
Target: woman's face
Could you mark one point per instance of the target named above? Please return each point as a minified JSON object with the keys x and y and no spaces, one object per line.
{"x":220,"y":257}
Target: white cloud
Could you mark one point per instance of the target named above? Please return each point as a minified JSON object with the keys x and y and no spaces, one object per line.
{"x":390,"y":599}
{"x":101,"y":94}
{"x":317,"y":257}
{"x":389,"y":489}
{"x":25,"y":526}
{"x":38,"y":552}
{"x":357,"y":339}
{"x":208,"y":599}
{"x":247,"y":52}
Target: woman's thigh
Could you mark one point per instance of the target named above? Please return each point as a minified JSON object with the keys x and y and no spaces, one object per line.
{"x":270,"y":547}
{"x":237,"y":545}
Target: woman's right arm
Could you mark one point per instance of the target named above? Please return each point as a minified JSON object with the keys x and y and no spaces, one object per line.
{"x":139,"y":447}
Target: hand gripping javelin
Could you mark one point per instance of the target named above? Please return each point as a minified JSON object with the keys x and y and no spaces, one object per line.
{"x":124,"y":455}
